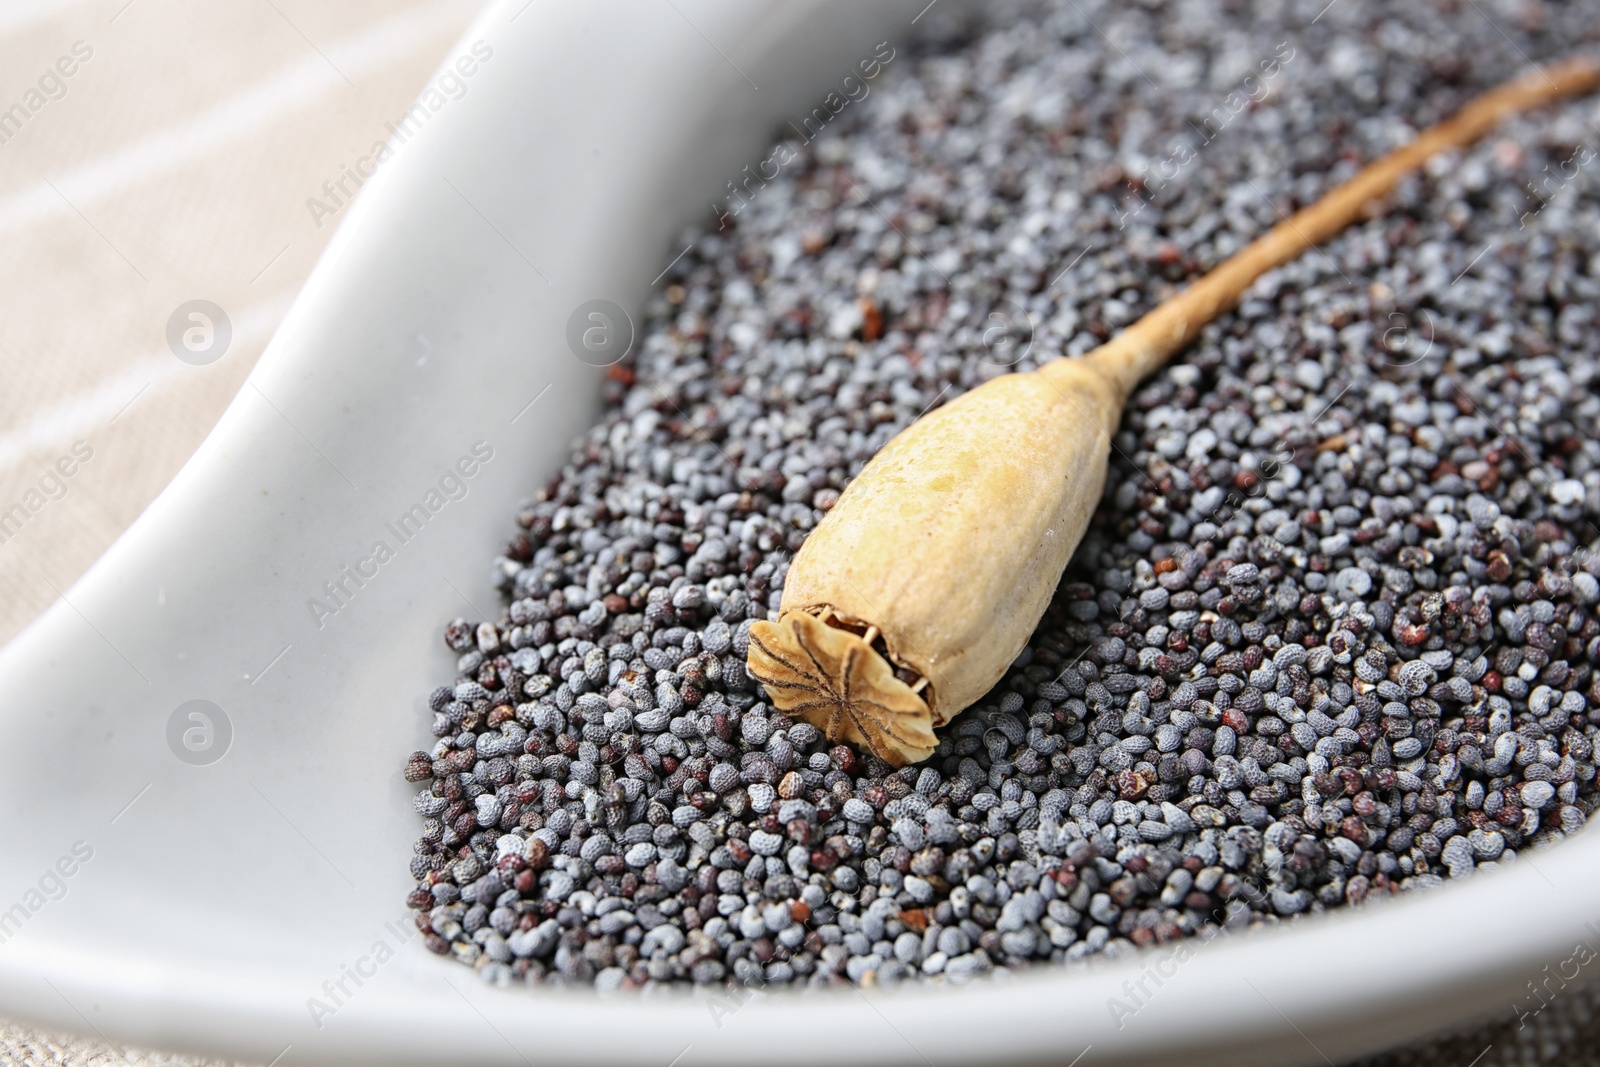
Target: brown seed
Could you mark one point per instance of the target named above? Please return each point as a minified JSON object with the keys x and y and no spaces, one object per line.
{"x":419,"y":767}
{"x":1412,"y":633}
{"x":871,"y":319}
{"x":1132,"y":785}
{"x":791,"y":786}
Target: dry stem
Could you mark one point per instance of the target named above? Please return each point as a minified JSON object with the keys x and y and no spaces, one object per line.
{"x":1151,"y":341}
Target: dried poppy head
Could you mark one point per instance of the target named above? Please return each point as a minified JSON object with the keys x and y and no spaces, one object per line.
{"x":834,"y":678}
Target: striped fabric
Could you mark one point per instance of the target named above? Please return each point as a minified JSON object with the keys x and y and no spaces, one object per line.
{"x":152,"y":153}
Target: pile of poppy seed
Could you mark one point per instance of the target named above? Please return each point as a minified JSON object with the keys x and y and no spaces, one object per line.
{"x":1331,"y":636}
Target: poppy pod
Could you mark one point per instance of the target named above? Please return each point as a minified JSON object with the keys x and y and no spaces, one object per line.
{"x":920,"y":587}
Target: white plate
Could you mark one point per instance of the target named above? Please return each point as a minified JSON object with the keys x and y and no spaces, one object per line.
{"x":219,"y":899}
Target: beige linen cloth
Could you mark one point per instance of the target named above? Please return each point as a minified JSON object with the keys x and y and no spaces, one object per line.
{"x":158,"y":152}
{"x":152,"y":153}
